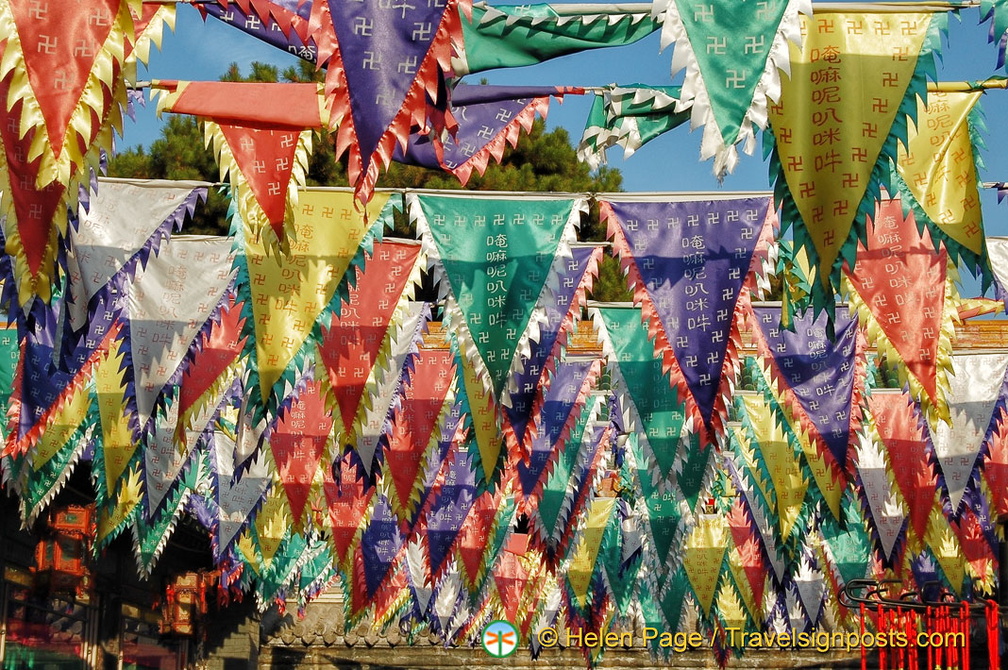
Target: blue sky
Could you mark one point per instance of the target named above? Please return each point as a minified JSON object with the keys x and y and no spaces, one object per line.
{"x":202,"y":51}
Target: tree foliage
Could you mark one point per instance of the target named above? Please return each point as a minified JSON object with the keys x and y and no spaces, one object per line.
{"x":541,"y":161}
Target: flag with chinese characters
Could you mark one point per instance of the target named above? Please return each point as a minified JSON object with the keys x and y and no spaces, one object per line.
{"x":733,"y":53}
{"x":906,"y":302}
{"x":495,"y":260}
{"x":690,"y":263}
{"x":630,"y":117}
{"x":937,"y":173}
{"x":853,"y":86}
{"x":819,"y":381}
{"x":261,"y":134}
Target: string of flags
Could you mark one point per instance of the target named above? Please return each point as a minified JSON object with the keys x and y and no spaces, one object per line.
{"x":707,"y":461}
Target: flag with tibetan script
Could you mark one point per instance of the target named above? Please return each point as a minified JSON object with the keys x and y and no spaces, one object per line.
{"x":896,"y":422}
{"x":563,"y":309}
{"x":975,"y":387}
{"x":906,"y":302}
{"x":169,"y":301}
{"x":937,"y":172}
{"x":689,"y":263}
{"x":357,"y":340}
{"x":630,"y":117}
{"x":733,"y":53}
{"x":63,"y":72}
{"x":495,"y":257}
{"x":489,"y":120}
{"x":385,"y":63}
{"x":853,"y":86}
{"x":516,"y":35}
{"x":262,"y":136}
{"x":330,"y":233}
{"x":820,"y":381}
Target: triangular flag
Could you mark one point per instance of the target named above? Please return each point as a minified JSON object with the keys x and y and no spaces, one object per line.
{"x":742,"y":44}
{"x":305,"y":281}
{"x":238,"y":493}
{"x":820,"y":380}
{"x":688,"y":262}
{"x":517,"y":35}
{"x":937,"y":172}
{"x":163,"y":460}
{"x":659,"y":415}
{"x":490,"y":119}
{"x":347,"y":497}
{"x":975,"y":386}
{"x":383,"y":69}
{"x":885,"y":514}
{"x":561,"y":407}
{"x":125,"y":222}
{"x":630,"y":117}
{"x":261,"y":134}
{"x":354,"y":339}
{"x":851,"y":88}
{"x":899,"y":428}
{"x":168,"y":304}
{"x":376,"y":423}
{"x":582,"y":565}
{"x":905,"y":301}
{"x":703,"y":554}
{"x":447,"y":513}
{"x":415,"y":425}
{"x":577,"y":274}
{"x":298,"y":442}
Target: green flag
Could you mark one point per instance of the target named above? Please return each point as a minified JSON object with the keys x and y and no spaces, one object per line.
{"x":517,"y":35}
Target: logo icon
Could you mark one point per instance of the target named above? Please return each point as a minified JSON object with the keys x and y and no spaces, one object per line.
{"x":500,"y":638}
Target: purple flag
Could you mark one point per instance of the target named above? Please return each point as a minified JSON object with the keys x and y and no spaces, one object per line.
{"x":561,"y":407}
{"x":819,"y":373}
{"x":446,"y":515}
{"x":385,"y":62}
{"x":574,"y":275}
{"x":380,"y":545}
{"x":688,"y":262}
{"x":489,"y":119}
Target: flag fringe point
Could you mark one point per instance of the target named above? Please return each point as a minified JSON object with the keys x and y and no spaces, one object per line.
{"x":151,"y":34}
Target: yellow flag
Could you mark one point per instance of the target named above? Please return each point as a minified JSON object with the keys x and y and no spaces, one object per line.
{"x":583,"y":565}
{"x":781,"y":462}
{"x":835,"y":113}
{"x":289,"y":291}
{"x":489,"y":438}
{"x":705,"y":550}
{"x":67,"y":421}
{"x":117,"y":436}
{"x":938,"y":166}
